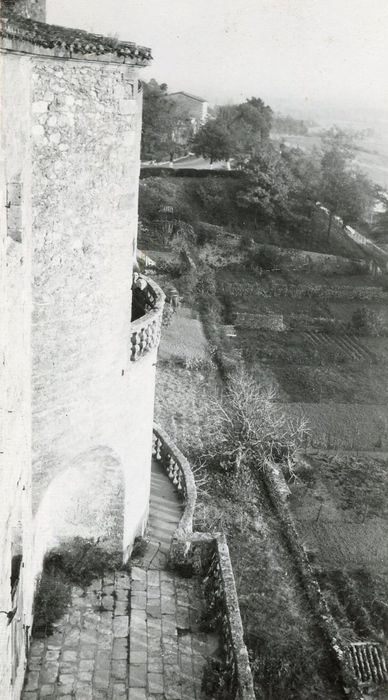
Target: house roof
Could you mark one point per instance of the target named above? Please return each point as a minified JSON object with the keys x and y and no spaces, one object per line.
{"x":15,"y":29}
{"x":187,"y":94}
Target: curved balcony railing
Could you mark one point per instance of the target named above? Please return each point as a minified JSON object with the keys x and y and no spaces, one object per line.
{"x":179,"y":472}
{"x":208,"y":554}
{"x":145,"y":331}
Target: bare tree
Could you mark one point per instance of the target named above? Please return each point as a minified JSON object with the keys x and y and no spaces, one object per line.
{"x":246,"y":427}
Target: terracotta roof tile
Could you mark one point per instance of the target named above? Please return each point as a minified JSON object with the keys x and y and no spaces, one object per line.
{"x":76,"y":41}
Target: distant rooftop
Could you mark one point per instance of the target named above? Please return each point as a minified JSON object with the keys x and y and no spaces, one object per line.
{"x":67,"y":42}
{"x":187,"y":94}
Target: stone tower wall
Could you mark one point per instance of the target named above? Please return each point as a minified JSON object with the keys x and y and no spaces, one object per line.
{"x":88,"y":398}
{"x":15,"y":370}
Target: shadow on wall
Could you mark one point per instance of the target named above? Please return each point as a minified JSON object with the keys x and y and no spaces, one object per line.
{"x":86,"y":500}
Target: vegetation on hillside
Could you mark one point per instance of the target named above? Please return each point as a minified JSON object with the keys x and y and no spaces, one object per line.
{"x":246,"y":428}
{"x":75,"y":562}
{"x":162,"y":120}
{"x":273,"y":200}
{"x":380,"y":227}
{"x":289,"y":125}
{"x":279,"y":185}
{"x":237,"y":131}
{"x":343,"y":189}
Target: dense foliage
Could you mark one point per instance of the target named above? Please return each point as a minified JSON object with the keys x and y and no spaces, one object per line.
{"x":343,"y":189}
{"x":380,"y":227}
{"x":289,"y":125}
{"x":213,"y":141}
{"x":163,"y":120}
{"x":76,"y":562}
{"x":280,"y":185}
{"x":236,"y":131}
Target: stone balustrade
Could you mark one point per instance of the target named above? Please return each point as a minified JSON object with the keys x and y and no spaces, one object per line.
{"x":179,"y":472}
{"x":145,"y":331}
{"x":208,"y":555}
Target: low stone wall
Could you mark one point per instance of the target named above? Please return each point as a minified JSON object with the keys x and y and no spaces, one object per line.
{"x":310,"y":261}
{"x":207,"y":554}
{"x":270,"y":321}
{"x":377,"y":256}
{"x":145,"y":331}
{"x":166,"y":171}
{"x":275,"y":486}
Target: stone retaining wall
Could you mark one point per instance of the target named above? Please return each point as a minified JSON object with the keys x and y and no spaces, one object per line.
{"x":377,"y":256}
{"x":310,"y":261}
{"x":270,"y":321}
{"x":329,"y":629}
{"x":208,"y":555}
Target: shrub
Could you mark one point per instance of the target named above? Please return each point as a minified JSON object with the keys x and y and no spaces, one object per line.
{"x":282,"y":670}
{"x":366,"y":321}
{"x":52,"y":597}
{"x":216,"y":198}
{"x":81,"y":560}
{"x":155,"y":193}
{"x":139,"y":547}
{"x":206,"y":233}
{"x":246,"y":242}
{"x":77,"y":562}
{"x":246,"y":427}
{"x":267,"y":258}
{"x":215,"y":680}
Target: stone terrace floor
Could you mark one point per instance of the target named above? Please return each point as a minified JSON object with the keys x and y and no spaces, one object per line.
{"x":135,"y":636}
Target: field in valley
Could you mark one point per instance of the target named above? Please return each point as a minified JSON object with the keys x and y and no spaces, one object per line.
{"x":371,"y":154}
{"x":281,"y":633}
{"x":309,"y":334}
{"x":320,"y":337}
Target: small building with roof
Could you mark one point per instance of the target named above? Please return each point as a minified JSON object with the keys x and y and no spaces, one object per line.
{"x":195,"y":107}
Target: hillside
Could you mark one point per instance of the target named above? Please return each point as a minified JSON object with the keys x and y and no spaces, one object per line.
{"x":306,"y":317}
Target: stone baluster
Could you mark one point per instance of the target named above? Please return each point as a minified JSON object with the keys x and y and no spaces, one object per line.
{"x":147,"y":329}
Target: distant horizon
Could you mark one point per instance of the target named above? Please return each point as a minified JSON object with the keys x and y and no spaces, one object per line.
{"x":303,"y":56}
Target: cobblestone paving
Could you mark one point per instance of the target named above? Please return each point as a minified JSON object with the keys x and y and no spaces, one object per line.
{"x":168,"y":651}
{"x":135,"y":636}
{"x":87,"y":656}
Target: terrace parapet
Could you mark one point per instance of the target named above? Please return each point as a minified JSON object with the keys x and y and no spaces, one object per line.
{"x":146,"y":330}
{"x":207,"y":554}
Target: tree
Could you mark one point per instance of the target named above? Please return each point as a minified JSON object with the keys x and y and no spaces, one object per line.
{"x":358,"y":192}
{"x":162,"y":123}
{"x":213,"y":141}
{"x":237,"y":130}
{"x":345,"y":191}
{"x":249,"y":125}
{"x":303,"y":193}
{"x":380,"y":226}
{"x":246,"y":427}
{"x":266,"y":186}
{"x":289,"y":125}
{"x":334,"y":164}
{"x":257,"y":115}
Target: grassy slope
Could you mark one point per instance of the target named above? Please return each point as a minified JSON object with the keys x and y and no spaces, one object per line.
{"x":339,"y":398}
{"x":290,"y":661}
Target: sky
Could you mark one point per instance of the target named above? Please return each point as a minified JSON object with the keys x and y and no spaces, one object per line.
{"x":289,"y":52}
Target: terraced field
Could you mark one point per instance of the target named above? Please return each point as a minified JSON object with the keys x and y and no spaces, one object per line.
{"x":323,"y":342}
{"x":347,"y":346}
